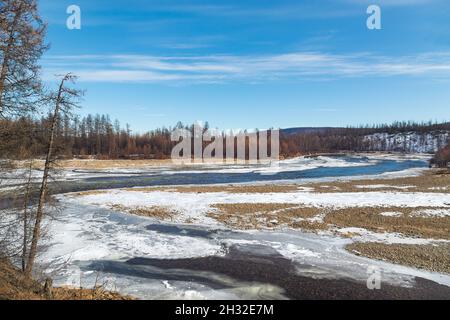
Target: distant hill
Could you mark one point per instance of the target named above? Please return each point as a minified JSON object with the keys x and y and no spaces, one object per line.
{"x":409,"y":137}
{"x":306,"y":130}
{"x":428,"y":142}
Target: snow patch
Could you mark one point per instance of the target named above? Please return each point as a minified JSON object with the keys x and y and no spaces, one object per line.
{"x":194,"y":206}
{"x":364,"y":235}
{"x":435,"y":213}
{"x":383,"y":186}
{"x":391,"y":214}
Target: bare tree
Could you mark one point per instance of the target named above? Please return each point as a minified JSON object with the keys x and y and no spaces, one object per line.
{"x":26,"y":200}
{"x":21,"y":45}
{"x":64,"y":100}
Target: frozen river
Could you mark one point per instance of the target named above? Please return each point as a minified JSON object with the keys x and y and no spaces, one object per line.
{"x":151,"y":259}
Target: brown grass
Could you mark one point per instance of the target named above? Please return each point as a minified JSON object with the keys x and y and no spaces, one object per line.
{"x":158,"y":212}
{"x":370,"y":218}
{"x":90,"y":193}
{"x":272,"y":215}
{"x":67,"y":293}
{"x":282,"y":208}
{"x":265,"y":215}
{"x":433,"y":181}
{"x":15,"y":286}
{"x":431,"y":257}
{"x":225,"y":188}
{"x":311,"y":226}
{"x":99,"y":164}
{"x":151,"y":189}
{"x":109,"y":164}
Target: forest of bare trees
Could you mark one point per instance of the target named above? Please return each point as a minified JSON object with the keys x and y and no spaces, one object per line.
{"x":442,"y":157}
{"x":93,"y":135}
{"x":97,"y":136}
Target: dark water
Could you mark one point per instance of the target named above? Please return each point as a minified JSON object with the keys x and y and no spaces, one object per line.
{"x":260,"y":264}
{"x":181,"y":231}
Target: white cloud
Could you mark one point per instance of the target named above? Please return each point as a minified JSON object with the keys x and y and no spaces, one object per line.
{"x":387,"y":3}
{"x":253,"y":68}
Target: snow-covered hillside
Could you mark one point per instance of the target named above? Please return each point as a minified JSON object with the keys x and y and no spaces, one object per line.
{"x":408,"y":141}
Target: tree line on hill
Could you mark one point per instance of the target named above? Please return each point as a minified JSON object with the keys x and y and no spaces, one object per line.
{"x":97,"y":136}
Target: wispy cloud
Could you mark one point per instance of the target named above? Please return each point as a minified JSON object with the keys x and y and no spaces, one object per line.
{"x":253,"y":68}
{"x":276,"y":10}
{"x":392,"y":3}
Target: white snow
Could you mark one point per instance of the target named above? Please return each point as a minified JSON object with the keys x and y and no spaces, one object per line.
{"x":382,"y":186}
{"x":292,"y":251}
{"x":83,"y":235}
{"x":391,"y":214}
{"x":364,"y":235}
{"x":195,"y":206}
{"x":439,"y":188}
{"x":432,"y":213}
{"x":294,"y":164}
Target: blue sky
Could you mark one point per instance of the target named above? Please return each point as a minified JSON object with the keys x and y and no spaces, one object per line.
{"x":255,"y":64}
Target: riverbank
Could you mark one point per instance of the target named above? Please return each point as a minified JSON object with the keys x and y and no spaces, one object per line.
{"x":93,"y":164}
{"x":397,"y":216}
{"x":14,"y":286}
{"x":96,"y":164}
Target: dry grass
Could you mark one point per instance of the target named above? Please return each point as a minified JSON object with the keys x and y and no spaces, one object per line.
{"x":271,"y":215}
{"x":151,"y":189}
{"x":278,"y":208}
{"x":15,"y":286}
{"x":310,"y":226}
{"x":99,"y":164}
{"x":67,"y":293}
{"x":224,"y":188}
{"x":437,"y":181}
{"x":90,"y":193}
{"x":159,"y":212}
{"x":113,"y":164}
{"x":431,"y":257}
{"x":370,"y":218}
{"x":265,"y":215}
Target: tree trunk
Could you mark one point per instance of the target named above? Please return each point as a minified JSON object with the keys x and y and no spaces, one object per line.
{"x":48,"y":286}
{"x":43,"y":190}
{"x":25,"y":219}
{"x":6,"y":55}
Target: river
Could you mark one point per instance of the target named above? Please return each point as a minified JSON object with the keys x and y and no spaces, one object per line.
{"x":151,"y":259}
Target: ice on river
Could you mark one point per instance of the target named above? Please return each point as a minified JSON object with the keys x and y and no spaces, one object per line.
{"x":85,"y":234}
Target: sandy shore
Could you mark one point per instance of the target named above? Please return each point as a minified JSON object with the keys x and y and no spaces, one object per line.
{"x":97,"y":164}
